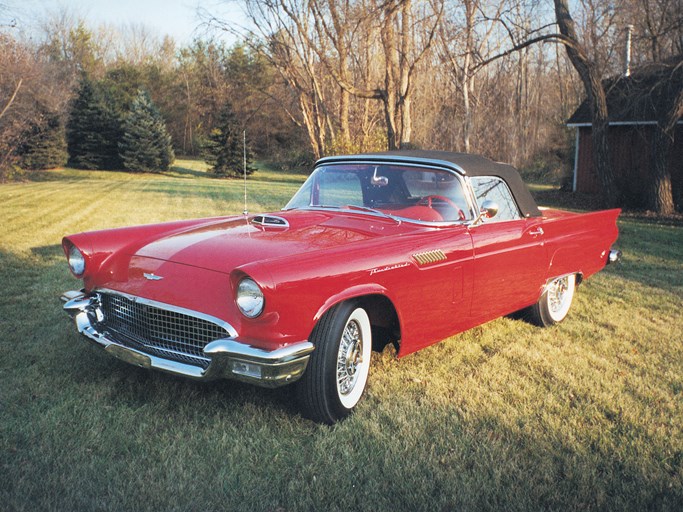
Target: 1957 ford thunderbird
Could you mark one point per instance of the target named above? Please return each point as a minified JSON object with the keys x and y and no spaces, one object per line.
{"x":405,"y":247}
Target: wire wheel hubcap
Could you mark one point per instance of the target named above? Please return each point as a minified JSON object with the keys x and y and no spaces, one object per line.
{"x":557,"y":294}
{"x":349,"y":358}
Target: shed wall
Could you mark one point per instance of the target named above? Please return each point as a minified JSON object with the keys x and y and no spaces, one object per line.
{"x":630,"y":149}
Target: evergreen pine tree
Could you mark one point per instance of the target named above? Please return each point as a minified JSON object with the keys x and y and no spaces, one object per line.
{"x":93,"y":130}
{"x":224,"y":150}
{"x":145,"y":145}
{"x":45,"y":146}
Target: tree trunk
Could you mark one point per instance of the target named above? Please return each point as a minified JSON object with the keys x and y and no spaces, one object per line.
{"x":405,"y":101}
{"x":595,"y":92}
{"x":311,"y":126}
{"x":389,"y":102}
{"x":602,"y":160}
{"x":467,"y":121}
{"x":660,"y":196}
{"x":344,"y":127}
{"x":11,"y":100}
{"x":390,"y":93}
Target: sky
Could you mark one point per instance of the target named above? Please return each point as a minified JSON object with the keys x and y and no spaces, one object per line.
{"x":177,"y":18}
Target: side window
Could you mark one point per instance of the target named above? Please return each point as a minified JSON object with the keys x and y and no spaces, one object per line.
{"x":495,"y":189}
{"x":445,"y":188}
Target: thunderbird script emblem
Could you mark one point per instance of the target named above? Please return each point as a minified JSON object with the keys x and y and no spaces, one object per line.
{"x":152,"y":277}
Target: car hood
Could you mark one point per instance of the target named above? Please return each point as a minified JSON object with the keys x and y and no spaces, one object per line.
{"x":230,"y":243}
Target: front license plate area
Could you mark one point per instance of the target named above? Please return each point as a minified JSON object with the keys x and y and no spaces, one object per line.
{"x":129,"y":356}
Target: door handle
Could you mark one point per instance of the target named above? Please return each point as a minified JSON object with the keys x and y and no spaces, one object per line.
{"x":536,"y":232}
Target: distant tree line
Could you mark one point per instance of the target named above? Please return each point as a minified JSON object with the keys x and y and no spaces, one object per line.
{"x":107,"y":130}
{"x":496,"y":77}
{"x":318,"y":77}
{"x":83,"y":98}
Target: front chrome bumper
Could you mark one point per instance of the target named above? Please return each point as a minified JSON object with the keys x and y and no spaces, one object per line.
{"x":229,"y":357}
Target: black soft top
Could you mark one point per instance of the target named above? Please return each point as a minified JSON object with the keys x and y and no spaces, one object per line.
{"x":463,"y":163}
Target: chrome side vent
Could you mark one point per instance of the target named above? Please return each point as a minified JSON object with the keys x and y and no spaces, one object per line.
{"x":270,"y":220}
{"x":425,"y":258}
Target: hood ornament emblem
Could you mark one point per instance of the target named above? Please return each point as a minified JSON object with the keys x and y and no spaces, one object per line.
{"x":152,"y":277}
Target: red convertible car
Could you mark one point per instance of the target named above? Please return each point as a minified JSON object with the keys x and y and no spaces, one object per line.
{"x":402,"y":247}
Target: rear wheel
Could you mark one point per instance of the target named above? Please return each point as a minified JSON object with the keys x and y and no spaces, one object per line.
{"x":555,"y":302}
{"x":338,"y":370}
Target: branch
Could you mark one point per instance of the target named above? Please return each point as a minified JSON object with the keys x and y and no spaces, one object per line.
{"x":11,"y":100}
{"x":548,"y":38}
{"x":670,"y":119}
{"x":425,"y":47}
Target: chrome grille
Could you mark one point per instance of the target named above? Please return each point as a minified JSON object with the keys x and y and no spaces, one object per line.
{"x":157,"y":331}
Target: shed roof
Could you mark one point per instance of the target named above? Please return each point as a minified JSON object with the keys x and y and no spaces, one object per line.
{"x":640,"y":98}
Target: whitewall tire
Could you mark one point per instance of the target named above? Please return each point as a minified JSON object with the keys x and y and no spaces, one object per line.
{"x":337,"y":372}
{"x":554,"y":304}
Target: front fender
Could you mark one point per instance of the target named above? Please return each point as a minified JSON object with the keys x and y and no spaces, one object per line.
{"x":351,"y":293}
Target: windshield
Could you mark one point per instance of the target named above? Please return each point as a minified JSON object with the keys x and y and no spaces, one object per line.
{"x":409,"y":192}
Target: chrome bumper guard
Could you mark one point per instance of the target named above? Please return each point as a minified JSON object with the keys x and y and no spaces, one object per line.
{"x":229,"y":358}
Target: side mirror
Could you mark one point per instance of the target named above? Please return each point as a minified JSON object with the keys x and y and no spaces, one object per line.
{"x":378,"y":181}
{"x":489,"y":209}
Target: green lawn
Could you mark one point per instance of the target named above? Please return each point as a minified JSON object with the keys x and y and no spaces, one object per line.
{"x":586,"y":415}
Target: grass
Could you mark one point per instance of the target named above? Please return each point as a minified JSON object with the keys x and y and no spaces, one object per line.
{"x":584,"y":416}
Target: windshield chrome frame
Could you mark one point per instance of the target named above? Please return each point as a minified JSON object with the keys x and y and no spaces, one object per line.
{"x":450,"y":168}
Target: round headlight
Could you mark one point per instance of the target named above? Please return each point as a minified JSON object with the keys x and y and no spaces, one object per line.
{"x":76,"y":261}
{"x":249,"y":298}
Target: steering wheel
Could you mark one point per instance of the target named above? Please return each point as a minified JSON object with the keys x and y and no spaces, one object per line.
{"x":427,"y":201}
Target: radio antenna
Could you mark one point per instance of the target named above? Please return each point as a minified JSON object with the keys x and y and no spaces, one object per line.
{"x":244,"y":151}
{"x":244,"y":164}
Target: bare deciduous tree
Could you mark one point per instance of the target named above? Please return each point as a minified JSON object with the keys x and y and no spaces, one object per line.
{"x":28,"y":94}
{"x":310,"y":41}
{"x":464,"y":38}
{"x":592,"y":80}
{"x":670,"y":86}
{"x":658,"y":28}
{"x":406,"y":36}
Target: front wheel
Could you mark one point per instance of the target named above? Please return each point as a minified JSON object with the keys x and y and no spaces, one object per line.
{"x":338,"y":369}
{"x":555,"y":302}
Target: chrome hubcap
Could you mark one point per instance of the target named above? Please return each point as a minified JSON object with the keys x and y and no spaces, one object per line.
{"x":557,"y":294}
{"x":349,"y":358}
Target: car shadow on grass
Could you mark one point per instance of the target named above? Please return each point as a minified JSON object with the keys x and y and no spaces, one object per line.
{"x":48,"y":252}
{"x":122,"y":385}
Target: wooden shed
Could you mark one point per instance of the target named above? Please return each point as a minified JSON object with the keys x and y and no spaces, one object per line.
{"x":634,"y":103}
